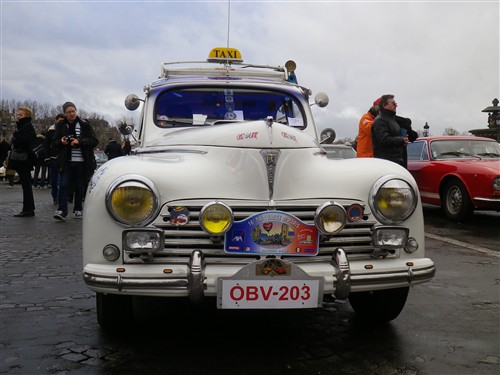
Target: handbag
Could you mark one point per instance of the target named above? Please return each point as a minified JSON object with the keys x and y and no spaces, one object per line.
{"x":18,"y":155}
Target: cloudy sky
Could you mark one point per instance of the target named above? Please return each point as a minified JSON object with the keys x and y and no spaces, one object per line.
{"x":439,"y":58}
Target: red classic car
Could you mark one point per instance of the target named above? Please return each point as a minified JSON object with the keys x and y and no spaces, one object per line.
{"x":459,"y":173}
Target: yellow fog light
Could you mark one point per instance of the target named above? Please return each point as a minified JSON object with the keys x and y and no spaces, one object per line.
{"x":216,"y":218}
{"x":132,"y":202}
{"x":330,"y":218}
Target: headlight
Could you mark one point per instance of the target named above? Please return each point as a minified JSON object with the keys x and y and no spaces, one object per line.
{"x":496,"y":183}
{"x":392,"y":200}
{"x":216,"y":218}
{"x":132,"y":200}
{"x":330,"y":218}
{"x":143,"y":240}
{"x":390,"y":237}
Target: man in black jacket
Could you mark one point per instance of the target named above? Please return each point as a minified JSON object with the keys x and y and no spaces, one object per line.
{"x":388,"y":140}
{"x":75,"y":140}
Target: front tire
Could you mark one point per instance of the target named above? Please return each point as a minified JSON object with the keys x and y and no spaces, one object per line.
{"x":457,"y":205}
{"x":114,"y":311}
{"x":379,"y":305}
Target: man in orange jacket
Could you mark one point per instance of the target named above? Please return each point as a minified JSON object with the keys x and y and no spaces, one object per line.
{"x":364,"y":144}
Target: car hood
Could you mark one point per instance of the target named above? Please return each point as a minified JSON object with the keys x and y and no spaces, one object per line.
{"x":489,"y":165}
{"x":200,"y":172}
{"x":254,"y":134}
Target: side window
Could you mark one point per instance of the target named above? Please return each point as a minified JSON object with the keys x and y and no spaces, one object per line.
{"x":417,"y":151}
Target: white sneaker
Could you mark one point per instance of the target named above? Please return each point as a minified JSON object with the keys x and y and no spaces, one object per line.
{"x":58,"y":215}
{"x":78,"y":215}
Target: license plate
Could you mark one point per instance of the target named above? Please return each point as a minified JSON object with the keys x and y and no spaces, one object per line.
{"x":269,"y":294}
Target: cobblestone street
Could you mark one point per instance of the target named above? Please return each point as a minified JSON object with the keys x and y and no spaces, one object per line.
{"x":49,"y":325}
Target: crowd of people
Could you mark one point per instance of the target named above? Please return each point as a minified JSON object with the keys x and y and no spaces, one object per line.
{"x":62,"y":159}
{"x":383,"y":134}
{"x":67,"y":162}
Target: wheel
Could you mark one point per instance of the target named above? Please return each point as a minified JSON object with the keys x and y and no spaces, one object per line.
{"x":379,"y":305}
{"x":457,"y":205}
{"x":114,"y":311}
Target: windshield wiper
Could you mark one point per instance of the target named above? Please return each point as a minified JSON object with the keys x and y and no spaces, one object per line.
{"x":178,"y":122}
{"x":492,"y":154}
{"x":456,"y":153}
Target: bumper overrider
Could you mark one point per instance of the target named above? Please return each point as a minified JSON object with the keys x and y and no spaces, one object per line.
{"x":263,"y":280}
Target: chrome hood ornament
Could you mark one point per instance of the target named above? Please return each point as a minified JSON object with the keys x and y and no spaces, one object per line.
{"x":271,"y":159}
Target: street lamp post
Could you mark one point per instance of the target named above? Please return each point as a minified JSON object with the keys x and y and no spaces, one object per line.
{"x":426,"y":129}
{"x":494,"y":117}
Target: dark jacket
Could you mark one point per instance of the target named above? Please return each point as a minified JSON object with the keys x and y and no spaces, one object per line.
{"x":387,"y":141}
{"x":40,"y":140}
{"x":50,"y":152}
{"x":23,"y":140}
{"x":4,"y":150}
{"x":87,"y":142}
{"x":113,"y":150}
{"x":405,"y":123}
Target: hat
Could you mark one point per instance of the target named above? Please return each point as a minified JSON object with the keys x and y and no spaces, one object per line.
{"x":68,"y":104}
{"x":376,"y":102}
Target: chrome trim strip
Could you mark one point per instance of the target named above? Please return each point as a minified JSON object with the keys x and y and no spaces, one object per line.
{"x":490,"y":200}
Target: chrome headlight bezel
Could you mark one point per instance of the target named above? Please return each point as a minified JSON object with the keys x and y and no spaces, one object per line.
{"x":340,"y":217}
{"x":138,"y":181}
{"x":393,"y":199}
{"x":142,"y":240}
{"x":206,"y":211}
{"x":496,"y":183}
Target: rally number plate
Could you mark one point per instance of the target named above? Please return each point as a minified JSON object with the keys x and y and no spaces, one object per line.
{"x":269,"y":294}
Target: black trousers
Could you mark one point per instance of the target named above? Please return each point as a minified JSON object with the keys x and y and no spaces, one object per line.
{"x":24,"y":172}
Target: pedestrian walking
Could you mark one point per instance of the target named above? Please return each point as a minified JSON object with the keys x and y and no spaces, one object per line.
{"x":75,"y":140}
{"x":21,"y":158}
{"x":54,"y":175}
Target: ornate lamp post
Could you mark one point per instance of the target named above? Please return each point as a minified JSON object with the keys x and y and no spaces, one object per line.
{"x":494,"y":118}
{"x":426,"y":129}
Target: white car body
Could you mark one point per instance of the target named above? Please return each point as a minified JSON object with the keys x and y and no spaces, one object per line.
{"x":259,"y":169}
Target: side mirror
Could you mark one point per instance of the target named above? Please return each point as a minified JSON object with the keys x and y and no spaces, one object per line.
{"x":327,"y":136}
{"x":132,"y":102}
{"x":125,"y":129}
{"x":321,"y":99}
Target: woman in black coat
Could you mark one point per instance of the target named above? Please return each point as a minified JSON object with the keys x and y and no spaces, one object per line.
{"x":22,"y":142}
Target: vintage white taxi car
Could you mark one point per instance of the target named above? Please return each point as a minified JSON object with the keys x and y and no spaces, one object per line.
{"x":229,"y":195}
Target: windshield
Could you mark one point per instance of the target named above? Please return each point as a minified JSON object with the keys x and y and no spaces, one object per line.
{"x":211,"y":106}
{"x":444,"y":149}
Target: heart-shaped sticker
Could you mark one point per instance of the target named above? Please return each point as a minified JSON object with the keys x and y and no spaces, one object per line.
{"x":267,"y":226}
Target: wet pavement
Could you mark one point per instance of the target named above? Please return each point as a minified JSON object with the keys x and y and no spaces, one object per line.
{"x":48,"y":322}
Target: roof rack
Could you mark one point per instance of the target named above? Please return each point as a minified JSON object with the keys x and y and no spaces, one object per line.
{"x":223,"y":70}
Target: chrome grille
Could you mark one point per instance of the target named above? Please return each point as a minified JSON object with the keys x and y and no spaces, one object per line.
{"x":180,"y":241}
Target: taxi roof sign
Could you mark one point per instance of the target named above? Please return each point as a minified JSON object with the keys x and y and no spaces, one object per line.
{"x":224,"y":54}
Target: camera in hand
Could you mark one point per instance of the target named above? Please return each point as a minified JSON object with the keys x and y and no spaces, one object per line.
{"x":68,"y":138}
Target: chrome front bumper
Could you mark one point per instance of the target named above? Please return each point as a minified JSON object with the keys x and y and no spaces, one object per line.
{"x":198,"y":279}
